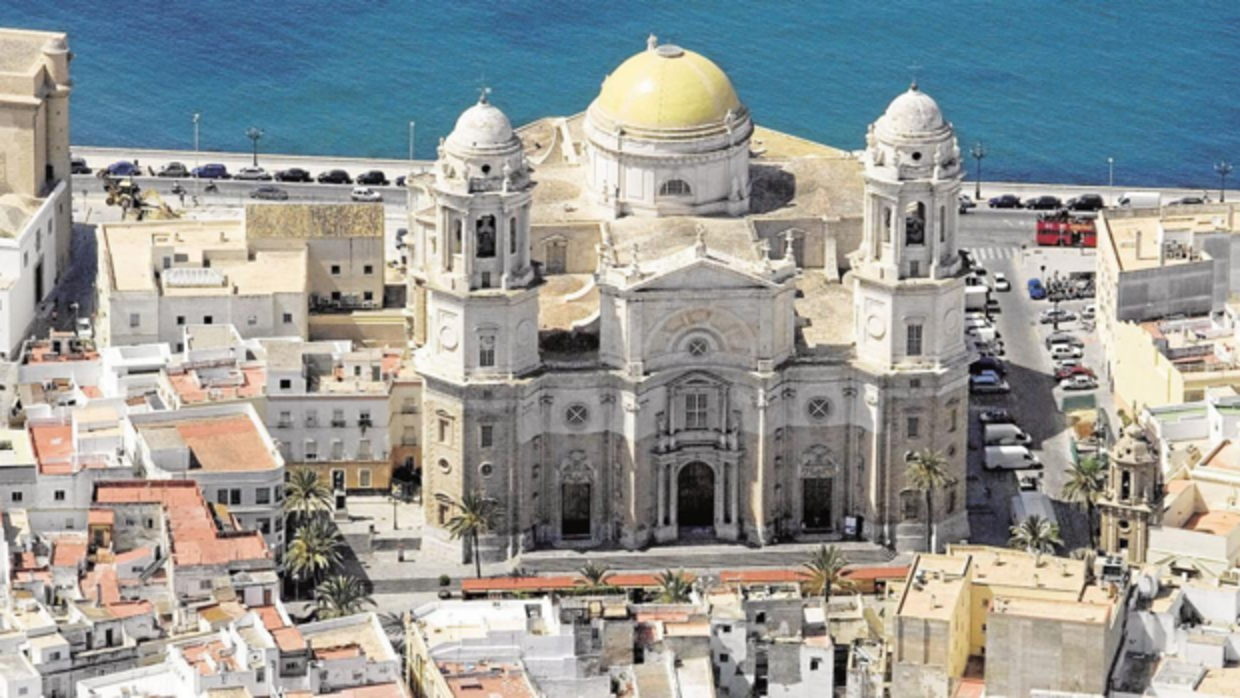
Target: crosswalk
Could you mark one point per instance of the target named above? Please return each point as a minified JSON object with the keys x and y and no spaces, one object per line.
{"x":982,"y":254}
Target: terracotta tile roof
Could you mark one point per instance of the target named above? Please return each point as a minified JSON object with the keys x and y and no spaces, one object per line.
{"x":195,"y":538}
{"x":341,"y":652}
{"x":132,"y":555}
{"x":289,"y":639}
{"x":53,"y":446}
{"x":129,"y":609}
{"x":379,"y":690}
{"x":100,"y":517}
{"x":230,"y":443}
{"x":209,"y":658}
{"x":68,"y":553}
{"x":103,"y":580}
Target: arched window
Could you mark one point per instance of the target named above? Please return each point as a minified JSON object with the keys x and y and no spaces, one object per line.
{"x":675,"y":187}
{"x":915,"y":224}
{"x":887,"y":224}
{"x":512,"y":235}
{"x":485,"y":229}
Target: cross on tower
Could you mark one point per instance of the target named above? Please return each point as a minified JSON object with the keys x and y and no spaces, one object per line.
{"x":913,"y":69}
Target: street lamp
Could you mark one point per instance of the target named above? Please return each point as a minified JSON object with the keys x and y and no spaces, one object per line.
{"x":412,"y":125}
{"x":978,"y":152}
{"x":255,"y":135}
{"x":196,"y":185}
{"x":1223,"y":168}
{"x":1111,"y":178}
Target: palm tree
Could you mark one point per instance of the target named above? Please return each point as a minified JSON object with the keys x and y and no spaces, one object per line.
{"x":341,"y":595}
{"x":1085,"y":484}
{"x":306,"y":494}
{"x":826,"y":571}
{"x":927,"y":472}
{"x":476,"y":516}
{"x":1036,"y":536}
{"x":674,"y":587}
{"x":315,"y":550}
{"x":595,"y":576}
{"x":393,"y":624}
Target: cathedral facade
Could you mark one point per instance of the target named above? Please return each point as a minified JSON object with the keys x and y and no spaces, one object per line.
{"x":631,"y":347}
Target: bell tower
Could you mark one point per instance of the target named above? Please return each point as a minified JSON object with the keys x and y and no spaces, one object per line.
{"x":473,"y":287}
{"x":908,"y":296}
{"x":1132,"y":499}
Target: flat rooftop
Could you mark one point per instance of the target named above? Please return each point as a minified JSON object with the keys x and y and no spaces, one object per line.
{"x":311,"y":221}
{"x":935,"y":585}
{"x":1050,"y":609}
{"x":1014,"y":569}
{"x":227,"y":443}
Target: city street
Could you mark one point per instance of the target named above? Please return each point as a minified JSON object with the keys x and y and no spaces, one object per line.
{"x":1003,"y":241}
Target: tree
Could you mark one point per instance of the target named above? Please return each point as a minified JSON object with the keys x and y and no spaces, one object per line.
{"x":306,"y":494}
{"x":927,"y":472}
{"x":595,"y":576}
{"x":341,"y":595}
{"x":674,"y":587}
{"x":315,"y":549}
{"x":476,"y":516}
{"x":826,"y":571}
{"x":1085,"y":484}
{"x":1036,"y":536}
{"x":393,"y":624}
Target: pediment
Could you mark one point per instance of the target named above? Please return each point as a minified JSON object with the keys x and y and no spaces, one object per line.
{"x":703,"y":274}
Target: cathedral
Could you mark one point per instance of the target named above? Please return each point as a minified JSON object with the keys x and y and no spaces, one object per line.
{"x":656,"y":321}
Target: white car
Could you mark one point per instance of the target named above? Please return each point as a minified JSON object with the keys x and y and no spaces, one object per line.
{"x":1078,"y":382}
{"x":1090,"y":312}
{"x":1065,"y":351}
{"x":84,"y":328}
{"x":1001,"y":282}
{"x":1063,"y":364}
{"x":365,"y":194}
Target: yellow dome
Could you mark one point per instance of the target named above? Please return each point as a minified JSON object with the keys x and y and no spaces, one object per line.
{"x":667,"y":88}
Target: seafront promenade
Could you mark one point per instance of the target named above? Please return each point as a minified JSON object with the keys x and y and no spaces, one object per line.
{"x":98,"y":158}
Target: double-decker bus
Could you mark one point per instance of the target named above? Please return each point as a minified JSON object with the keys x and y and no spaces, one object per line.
{"x":1064,"y":230}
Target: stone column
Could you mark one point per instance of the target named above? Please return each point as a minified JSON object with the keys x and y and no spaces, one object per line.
{"x":673,"y":493}
{"x":661,"y":497}
{"x":720,"y":481}
{"x":733,"y":489}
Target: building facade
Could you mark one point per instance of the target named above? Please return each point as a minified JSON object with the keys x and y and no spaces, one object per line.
{"x":713,"y":388}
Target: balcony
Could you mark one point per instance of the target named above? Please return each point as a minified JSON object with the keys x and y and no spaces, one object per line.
{"x":338,"y":424}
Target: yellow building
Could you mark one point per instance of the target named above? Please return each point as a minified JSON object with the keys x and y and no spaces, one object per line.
{"x":955,"y":607}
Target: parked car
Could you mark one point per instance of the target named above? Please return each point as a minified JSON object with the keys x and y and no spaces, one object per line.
{"x":400,"y":181}
{"x":1063,"y":338}
{"x":78,"y":166}
{"x":967,"y":203}
{"x":293,"y":174}
{"x":1005,"y":201}
{"x":1005,"y":435}
{"x":269,"y":193}
{"x":1065,"y":351}
{"x":334,"y":177}
{"x":1086,"y":202}
{"x":1186,"y":201}
{"x":124,"y":168}
{"x":1067,"y":372}
{"x":995,"y":416}
{"x":1050,"y":315}
{"x":374,"y":178}
{"x":988,"y":382}
{"x":253,"y":174}
{"x":1045,"y":202}
{"x":1037,"y":291}
{"x":365,"y":194}
{"x":212,"y":170}
{"x":1079,"y":382}
{"x":993,"y":307}
{"x":174,"y":169}
{"x":1001,"y":282}
{"x":1010,"y":458}
{"x":1066,"y":363}
{"x":1089,"y":312}
{"x":84,"y":328}
{"x":987,"y":363}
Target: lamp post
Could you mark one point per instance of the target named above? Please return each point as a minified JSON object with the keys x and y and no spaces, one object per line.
{"x":412,"y":125}
{"x":978,"y":152}
{"x":196,"y":184}
{"x":1111,"y":179}
{"x":255,"y":135}
{"x":1223,"y":168}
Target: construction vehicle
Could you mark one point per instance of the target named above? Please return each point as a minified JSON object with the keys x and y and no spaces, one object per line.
{"x":136,"y":203}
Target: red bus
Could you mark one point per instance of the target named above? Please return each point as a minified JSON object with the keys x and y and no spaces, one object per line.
{"x":1062,"y":230}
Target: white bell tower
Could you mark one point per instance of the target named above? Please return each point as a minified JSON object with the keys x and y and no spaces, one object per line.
{"x":470,"y":263}
{"x":908,"y":292}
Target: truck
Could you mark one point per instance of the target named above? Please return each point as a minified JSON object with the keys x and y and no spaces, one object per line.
{"x":1140,"y":199}
{"x":976,"y":295}
{"x":1063,"y":229}
{"x":1029,"y":503}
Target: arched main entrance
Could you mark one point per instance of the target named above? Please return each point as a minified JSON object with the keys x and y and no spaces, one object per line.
{"x":695,"y":499}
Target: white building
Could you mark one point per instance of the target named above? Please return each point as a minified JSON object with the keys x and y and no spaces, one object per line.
{"x":35,"y":197}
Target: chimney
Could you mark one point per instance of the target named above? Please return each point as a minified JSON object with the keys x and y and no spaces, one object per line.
{"x":98,"y":595}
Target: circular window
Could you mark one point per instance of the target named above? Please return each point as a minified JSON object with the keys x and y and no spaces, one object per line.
{"x":1124,"y":526}
{"x":486,"y":469}
{"x":444,"y":466}
{"x":818,"y":408}
{"x":697,"y":347}
{"x":916,"y":157}
{"x":486,"y":169}
{"x":576,"y":415}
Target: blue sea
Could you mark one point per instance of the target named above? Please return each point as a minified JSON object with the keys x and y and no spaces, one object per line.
{"x":1052,"y":88}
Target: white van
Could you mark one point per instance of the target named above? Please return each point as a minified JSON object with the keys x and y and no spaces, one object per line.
{"x":1010,"y":458}
{"x":1005,"y":435}
{"x":1140,"y":199}
{"x":1028,"y":504}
